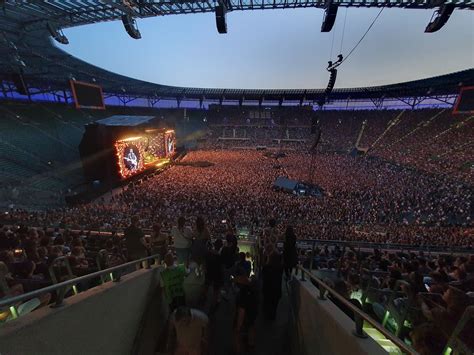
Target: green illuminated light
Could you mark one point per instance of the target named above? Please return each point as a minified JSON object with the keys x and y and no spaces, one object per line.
{"x":13,"y":312}
{"x":385,"y":318}
{"x":356,"y":295}
{"x":448,"y":351}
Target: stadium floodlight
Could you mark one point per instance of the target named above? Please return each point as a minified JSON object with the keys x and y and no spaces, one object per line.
{"x":131,"y":26}
{"x":439,"y":18}
{"x":57,"y":33}
{"x":329,"y":19}
{"x":221,"y":17}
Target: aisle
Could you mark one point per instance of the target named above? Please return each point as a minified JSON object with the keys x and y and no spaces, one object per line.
{"x":272,"y":337}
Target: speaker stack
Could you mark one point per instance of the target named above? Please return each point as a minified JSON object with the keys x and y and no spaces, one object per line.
{"x":221,"y":20}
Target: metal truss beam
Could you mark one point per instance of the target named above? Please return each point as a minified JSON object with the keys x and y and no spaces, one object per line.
{"x":69,"y":13}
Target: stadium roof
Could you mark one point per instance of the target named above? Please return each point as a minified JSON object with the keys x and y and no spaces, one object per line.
{"x":123,"y":120}
{"x":27,"y":48}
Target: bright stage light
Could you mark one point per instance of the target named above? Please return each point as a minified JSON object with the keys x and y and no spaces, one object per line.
{"x":130,"y":139}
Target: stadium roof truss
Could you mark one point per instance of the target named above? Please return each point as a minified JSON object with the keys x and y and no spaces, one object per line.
{"x":27,"y":49}
{"x":68,"y":13}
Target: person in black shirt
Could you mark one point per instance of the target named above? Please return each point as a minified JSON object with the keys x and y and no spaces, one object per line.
{"x":272,"y":274}
{"x":214,"y":272}
{"x":246,"y":313}
{"x":135,"y":240}
{"x":290,"y":257}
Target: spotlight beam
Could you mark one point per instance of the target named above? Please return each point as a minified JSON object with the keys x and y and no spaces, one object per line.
{"x":389,"y":127}
{"x":418,"y":127}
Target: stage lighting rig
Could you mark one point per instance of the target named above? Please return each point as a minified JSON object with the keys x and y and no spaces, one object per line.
{"x":332,"y":81}
{"x":221,"y":17}
{"x":57,"y":33}
{"x":439,"y":18}
{"x":331,"y":68}
{"x":131,"y":26}
{"x":330,"y":14}
{"x":333,"y":73}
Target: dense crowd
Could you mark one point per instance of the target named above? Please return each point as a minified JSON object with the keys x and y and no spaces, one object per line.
{"x":365,"y":200}
{"x":434,"y":141}
{"x":198,"y":209}
{"x":417,"y":296}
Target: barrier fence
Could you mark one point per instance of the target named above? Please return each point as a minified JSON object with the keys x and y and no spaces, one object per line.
{"x":61,"y":288}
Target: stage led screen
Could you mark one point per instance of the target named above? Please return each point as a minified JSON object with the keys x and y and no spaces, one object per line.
{"x":130,"y":156}
{"x":170,"y":143}
{"x":135,"y":154}
{"x":87,"y":95}
{"x":465,"y":101}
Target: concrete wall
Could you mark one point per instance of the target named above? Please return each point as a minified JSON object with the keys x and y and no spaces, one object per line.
{"x":322,"y":328}
{"x":103,"y":320}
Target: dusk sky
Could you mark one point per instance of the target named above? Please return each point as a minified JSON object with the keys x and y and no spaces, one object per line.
{"x":279,"y":48}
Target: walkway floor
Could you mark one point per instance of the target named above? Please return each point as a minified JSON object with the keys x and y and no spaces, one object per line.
{"x":272,"y":337}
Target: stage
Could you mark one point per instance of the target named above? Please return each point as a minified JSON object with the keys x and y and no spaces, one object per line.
{"x":120,"y":147}
{"x":298,"y":188}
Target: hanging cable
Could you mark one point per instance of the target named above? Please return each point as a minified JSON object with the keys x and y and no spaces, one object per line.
{"x":365,"y":34}
{"x":332,"y":43}
{"x":343,"y":31}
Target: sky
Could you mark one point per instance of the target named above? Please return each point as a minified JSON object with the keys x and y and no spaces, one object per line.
{"x":281,"y":49}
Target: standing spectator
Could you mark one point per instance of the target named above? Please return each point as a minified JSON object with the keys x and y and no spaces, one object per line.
{"x":214,"y":273}
{"x":290,"y":258}
{"x":158,"y":242}
{"x":172,"y":280}
{"x":199,"y":247}
{"x":191,"y":329}
{"x":182,"y":240}
{"x":272,"y":274}
{"x":246,"y":314}
{"x":228,"y":256}
{"x":135,"y":240}
{"x":270,"y":240}
{"x":243,"y":266}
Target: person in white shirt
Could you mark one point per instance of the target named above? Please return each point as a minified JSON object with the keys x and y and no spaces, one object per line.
{"x":182,"y":237}
{"x":191,"y":329}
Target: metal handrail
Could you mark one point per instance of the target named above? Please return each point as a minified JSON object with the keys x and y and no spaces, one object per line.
{"x":387,"y":246}
{"x":360,"y":244}
{"x":324,"y":287}
{"x":62,"y":285}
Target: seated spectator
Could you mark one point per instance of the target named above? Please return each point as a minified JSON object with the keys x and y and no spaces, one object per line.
{"x":13,"y":288}
{"x":447,"y":317}
{"x":428,"y":339}
{"x":78,"y":261}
